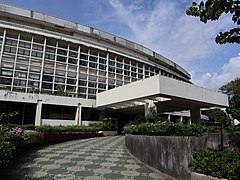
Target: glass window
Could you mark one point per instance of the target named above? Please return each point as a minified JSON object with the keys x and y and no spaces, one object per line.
{"x":72,"y":61}
{"x":61,"y":58}
{"x":59,"y":79}
{"x":25,"y":45}
{"x":37,"y":47}
{"x":6,"y":73}
{"x":62,"y":52}
{"x":34,"y":76}
{"x":11,"y":42}
{"x":47,"y":78}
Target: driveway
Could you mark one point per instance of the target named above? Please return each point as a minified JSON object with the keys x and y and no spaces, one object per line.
{"x":87,"y":159}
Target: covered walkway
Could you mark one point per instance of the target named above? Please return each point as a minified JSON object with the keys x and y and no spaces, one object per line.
{"x":88,"y":159}
{"x":164,"y":94}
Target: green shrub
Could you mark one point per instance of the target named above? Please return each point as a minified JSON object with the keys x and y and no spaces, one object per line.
{"x":28,"y":127}
{"x":31,"y":136}
{"x":7,"y":152}
{"x":104,"y":126}
{"x":165,"y":128}
{"x":221,"y":164}
{"x":66,"y":129}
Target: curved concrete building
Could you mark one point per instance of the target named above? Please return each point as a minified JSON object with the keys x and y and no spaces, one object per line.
{"x":53,"y":70}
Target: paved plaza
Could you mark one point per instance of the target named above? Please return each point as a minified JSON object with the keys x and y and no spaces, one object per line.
{"x":87,"y":159}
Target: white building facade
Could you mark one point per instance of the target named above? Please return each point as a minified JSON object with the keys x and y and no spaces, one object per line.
{"x":52,"y":70}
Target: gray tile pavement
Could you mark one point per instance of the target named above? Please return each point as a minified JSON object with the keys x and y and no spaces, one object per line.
{"x":88,"y":159}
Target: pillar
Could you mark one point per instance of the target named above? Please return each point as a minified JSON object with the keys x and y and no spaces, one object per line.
{"x":38,"y":120}
{"x":150,"y":108}
{"x":195,"y":116}
{"x":78,"y":116}
{"x":147,"y":109}
{"x":181,"y":118}
{"x":169,"y":117}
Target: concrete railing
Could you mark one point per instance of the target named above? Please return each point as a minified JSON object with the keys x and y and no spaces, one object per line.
{"x":170,"y":154}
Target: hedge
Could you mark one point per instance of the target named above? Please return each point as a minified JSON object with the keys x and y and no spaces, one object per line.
{"x":65,"y":129}
{"x":7,"y":152}
{"x":221,"y":164}
{"x":168,"y":128}
{"x":104,"y":126}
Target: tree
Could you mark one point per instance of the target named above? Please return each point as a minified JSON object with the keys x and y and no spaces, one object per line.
{"x":216,"y":115}
{"x":232,"y":89}
{"x":212,"y":10}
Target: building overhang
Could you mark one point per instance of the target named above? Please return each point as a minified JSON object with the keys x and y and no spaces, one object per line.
{"x":9,"y":96}
{"x":168,"y":94}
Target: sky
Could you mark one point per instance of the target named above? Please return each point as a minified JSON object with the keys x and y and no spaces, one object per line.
{"x":160,"y":25}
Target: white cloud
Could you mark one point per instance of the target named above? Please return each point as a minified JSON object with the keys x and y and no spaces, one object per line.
{"x":169,"y":31}
{"x":215,"y":80}
{"x":164,"y":27}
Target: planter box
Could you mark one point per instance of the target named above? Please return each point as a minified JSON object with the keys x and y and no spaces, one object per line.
{"x":109,"y":133}
{"x":55,"y":138}
{"x":198,"y":176}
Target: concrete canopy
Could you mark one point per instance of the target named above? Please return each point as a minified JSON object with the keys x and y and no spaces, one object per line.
{"x":167,"y":94}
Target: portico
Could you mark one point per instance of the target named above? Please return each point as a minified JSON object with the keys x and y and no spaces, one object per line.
{"x":166,"y":94}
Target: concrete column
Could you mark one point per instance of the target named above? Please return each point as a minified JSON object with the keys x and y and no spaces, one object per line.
{"x":150,"y":108}
{"x":195,"y":116}
{"x":181,"y":118}
{"x":147,"y":109}
{"x":169,"y":117}
{"x":38,"y":120}
{"x":78,"y":116}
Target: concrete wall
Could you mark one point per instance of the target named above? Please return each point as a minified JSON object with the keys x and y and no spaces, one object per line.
{"x":170,"y":154}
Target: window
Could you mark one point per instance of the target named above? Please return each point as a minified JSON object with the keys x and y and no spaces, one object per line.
{"x":24,"y":52}
{"x":47,"y":78}
{"x":82,"y":83}
{"x":10,"y":49}
{"x":93,"y":59}
{"x":6,"y":81}
{"x":6,"y":73}
{"x":11,"y":42}
{"x":72,"y":61}
{"x":33,"y":84}
{"x":83,"y":56}
{"x":61,"y":58}
{"x":24,"y":45}
{"x":50,"y":49}
{"x":102,"y":61}
{"x":20,"y":75}
{"x":49,"y":56}
{"x":83,"y":63}
{"x":19,"y":82}
{"x":71,"y":81}
{"x":46,"y":85}
{"x":34,"y":76}
{"x":92,"y":65}
{"x":82,"y":90}
{"x":59,"y":79}
{"x":102,"y":86}
{"x":73,"y":54}
{"x":111,"y":69}
{"x":37,"y":47}
{"x":62,"y":52}
{"x":92,"y":91}
{"x":92,"y":84}
{"x":37,"y":54}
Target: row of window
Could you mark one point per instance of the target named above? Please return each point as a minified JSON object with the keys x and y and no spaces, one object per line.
{"x":98,"y":70}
